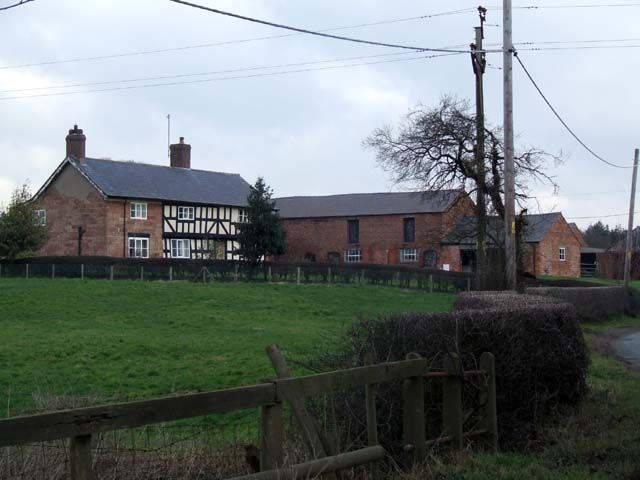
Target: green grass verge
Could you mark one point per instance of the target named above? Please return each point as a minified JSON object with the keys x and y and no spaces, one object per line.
{"x":132,"y":339}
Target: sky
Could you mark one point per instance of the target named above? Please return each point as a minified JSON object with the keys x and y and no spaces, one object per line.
{"x":303,"y":131}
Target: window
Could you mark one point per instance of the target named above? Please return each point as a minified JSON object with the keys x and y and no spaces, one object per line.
{"x":353,"y":256}
{"x":353,"y":227}
{"x":180,"y":248}
{"x":563,"y":254}
{"x":40,"y":217}
{"x":409,"y":255}
{"x":243,"y":216}
{"x":185,"y":213}
{"x":138,"y":247}
{"x":139,"y":210}
{"x":409,"y":230}
{"x":430,"y":259}
{"x":216,"y":249}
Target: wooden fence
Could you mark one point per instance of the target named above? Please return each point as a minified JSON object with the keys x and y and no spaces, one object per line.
{"x":79,"y":425}
{"x":221,"y":271}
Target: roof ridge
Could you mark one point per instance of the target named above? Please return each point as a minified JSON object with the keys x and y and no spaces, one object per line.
{"x":152,"y":165}
{"x":367,"y":193}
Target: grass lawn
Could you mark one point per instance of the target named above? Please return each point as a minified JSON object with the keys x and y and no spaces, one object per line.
{"x":131,"y":339}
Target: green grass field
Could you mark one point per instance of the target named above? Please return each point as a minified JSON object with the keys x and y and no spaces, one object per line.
{"x":131,"y":339}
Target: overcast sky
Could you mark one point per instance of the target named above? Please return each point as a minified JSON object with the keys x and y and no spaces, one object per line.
{"x":303,"y":131}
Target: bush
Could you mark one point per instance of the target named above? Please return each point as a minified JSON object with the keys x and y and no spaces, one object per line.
{"x":594,"y":304}
{"x":541,"y":361}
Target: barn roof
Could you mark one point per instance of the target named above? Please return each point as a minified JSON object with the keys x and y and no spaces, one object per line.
{"x":537,"y":228}
{"x":122,"y":179}
{"x":364,"y":204}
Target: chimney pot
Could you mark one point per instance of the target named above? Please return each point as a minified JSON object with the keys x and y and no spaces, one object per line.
{"x":180,"y":154}
{"x":76,"y":143}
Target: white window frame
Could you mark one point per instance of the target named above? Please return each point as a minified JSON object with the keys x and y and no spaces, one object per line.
{"x":140,"y":244}
{"x":138,"y":211}
{"x":178,"y":249}
{"x":562,"y":254}
{"x":40,"y":216}
{"x":353,"y":256}
{"x":243,"y":216}
{"x":186,"y":213}
{"x":409,"y":255}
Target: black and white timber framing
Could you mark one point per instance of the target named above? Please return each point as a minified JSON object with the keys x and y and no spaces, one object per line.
{"x":212,"y":228}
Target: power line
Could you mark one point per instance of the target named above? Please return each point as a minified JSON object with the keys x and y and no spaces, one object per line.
{"x":602,"y":216}
{"x":217,"y":79}
{"x":566,"y":126}
{"x":581,"y":194}
{"x":568,"y":6}
{"x":21,"y":2}
{"x":234,"y":42}
{"x":312,"y":32}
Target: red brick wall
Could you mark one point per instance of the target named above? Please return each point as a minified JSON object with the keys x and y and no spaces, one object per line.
{"x":548,"y":252}
{"x":381,"y":236}
{"x":118,"y":230}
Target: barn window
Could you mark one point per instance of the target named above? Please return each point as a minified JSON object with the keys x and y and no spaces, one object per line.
{"x":180,"y":248}
{"x":139,"y":211}
{"x":409,"y":255}
{"x":353,"y":227}
{"x":185,"y":213}
{"x":138,"y":247}
{"x":563,"y":254}
{"x":353,"y":256}
{"x":40,"y":217}
{"x":409,"y":230}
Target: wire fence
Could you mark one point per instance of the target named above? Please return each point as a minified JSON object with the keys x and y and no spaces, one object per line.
{"x":225,"y":271}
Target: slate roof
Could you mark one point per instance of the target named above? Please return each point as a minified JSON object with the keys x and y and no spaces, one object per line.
{"x":363,"y":204}
{"x":537,"y":228}
{"x":122,"y":179}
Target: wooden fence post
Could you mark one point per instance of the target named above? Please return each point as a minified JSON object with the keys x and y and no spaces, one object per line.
{"x":80,"y":458}
{"x":372,"y":415}
{"x":110,"y":272}
{"x":0,"y":270}
{"x":82,"y":271}
{"x":141,"y":272}
{"x":328,"y":274}
{"x":452,"y":400}
{"x":26,"y":270}
{"x":269,"y":274}
{"x":431,"y":283}
{"x":53,"y":270}
{"x":298,"y":276}
{"x":271,"y":432}
{"x":413,"y":415}
{"x":468,"y":284}
{"x":170,"y":273}
{"x":235,"y":272}
{"x":489,"y":419}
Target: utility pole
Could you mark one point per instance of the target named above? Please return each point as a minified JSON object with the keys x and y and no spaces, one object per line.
{"x":632,"y":207}
{"x":479,"y":62}
{"x":509,"y":169}
{"x":169,"y":136}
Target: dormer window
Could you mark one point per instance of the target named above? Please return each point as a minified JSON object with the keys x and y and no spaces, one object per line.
{"x":185,"y":213}
{"x":138,"y":211}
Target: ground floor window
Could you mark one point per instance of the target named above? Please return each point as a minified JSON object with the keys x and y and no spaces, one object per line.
{"x":180,"y":248}
{"x":563,"y":254}
{"x":353,"y":256}
{"x":430,"y":259}
{"x":215,"y":249}
{"x":138,"y":247}
{"x":409,"y":255}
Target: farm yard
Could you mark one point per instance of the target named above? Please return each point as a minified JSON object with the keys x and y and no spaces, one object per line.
{"x":128,"y":339}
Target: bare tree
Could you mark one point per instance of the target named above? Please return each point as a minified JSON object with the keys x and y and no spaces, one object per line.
{"x":14,"y":5}
{"x":435,"y":148}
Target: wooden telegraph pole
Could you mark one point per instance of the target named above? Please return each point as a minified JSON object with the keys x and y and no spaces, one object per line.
{"x":509,"y":169}
{"x":632,"y":207}
{"x":479,"y":62}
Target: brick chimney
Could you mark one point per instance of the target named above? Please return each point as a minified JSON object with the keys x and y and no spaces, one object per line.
{"x":76,"y":143}
{"x":180,"y":154}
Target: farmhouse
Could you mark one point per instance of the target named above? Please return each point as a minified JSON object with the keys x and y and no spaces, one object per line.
{"x":374,"y":228}
{"x":99,"y":207}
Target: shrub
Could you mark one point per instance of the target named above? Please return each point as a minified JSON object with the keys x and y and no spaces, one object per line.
{"x":594,"y":304}
{"x":541,"y":361}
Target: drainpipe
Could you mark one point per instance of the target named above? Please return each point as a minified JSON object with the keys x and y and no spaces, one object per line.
{"x":124,"y":229}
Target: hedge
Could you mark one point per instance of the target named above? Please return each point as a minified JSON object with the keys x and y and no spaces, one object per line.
{"x":594,"y":304}
{"x":541,"y":362}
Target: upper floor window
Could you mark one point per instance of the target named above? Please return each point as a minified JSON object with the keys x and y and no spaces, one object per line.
{"x":353,"y":227}
{"x":180,"y":248}
{"x":562,"y":254}
{"x":243,"y":216}
{"x":409,"y":255}
{"x":138,"y":247}
{"x":185,"y":213}
{"x":353,"y":256}
{"x":139,"y":210}
{"x":40,"y":217}
{"x":409,"y":230}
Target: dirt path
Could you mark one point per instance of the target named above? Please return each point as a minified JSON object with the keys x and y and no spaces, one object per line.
{"x":622,"y":343}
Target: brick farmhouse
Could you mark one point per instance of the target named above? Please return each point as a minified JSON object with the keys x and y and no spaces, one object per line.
{"x":98,"y":207}
{"x":429,"y":230}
